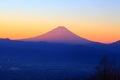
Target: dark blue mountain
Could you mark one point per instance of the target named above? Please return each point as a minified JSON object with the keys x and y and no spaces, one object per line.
{"x":40,"y":60}
{"x":54,"y":53}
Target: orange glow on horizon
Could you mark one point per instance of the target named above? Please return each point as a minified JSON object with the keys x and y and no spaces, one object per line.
{"x":25,"y":29}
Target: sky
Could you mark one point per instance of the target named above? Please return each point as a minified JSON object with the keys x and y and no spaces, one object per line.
{"x":97,"y":20}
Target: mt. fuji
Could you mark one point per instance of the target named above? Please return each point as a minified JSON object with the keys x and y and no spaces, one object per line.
{"x":59,"y":35}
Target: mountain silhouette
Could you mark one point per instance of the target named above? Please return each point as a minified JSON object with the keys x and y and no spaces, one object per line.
{"x":116,"y":43}
{"x":59,"y":35}
{"x":4,"y":39}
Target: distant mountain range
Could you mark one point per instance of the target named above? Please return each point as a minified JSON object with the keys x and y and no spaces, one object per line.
{"x":61,"y":35}
{"x":59,"y":46}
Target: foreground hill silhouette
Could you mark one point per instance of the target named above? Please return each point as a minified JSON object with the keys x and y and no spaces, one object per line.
{"x":59,"y":35}
{"x":58,"y":53}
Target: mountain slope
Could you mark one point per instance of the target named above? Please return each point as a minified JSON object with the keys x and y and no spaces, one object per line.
{"x":60,"y":35}
{"x":117,"y":43}
{"x":40,"y":52}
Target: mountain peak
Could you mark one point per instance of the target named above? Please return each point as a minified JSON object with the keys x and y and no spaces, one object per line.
{"x":61,"y":28}
{"x":61,"y":35}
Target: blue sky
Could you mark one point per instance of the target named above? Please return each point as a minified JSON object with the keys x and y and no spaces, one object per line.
{"x":73,"y":7}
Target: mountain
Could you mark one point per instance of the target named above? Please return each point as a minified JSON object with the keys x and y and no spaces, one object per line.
{"x":38,"y":56}
{"x":48,"y":58}
{"x":44,"y":53}
{"x":117,"y":43}
{"x":115,"y":47}
{"x":53,"y":53}
{"x":4,"y":39}
{"x":59,"y":35}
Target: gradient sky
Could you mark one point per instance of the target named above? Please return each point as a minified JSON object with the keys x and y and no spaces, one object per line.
{"x":97,"y":20}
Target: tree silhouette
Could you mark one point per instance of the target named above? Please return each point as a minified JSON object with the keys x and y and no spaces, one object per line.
{"x":106,"y":70}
